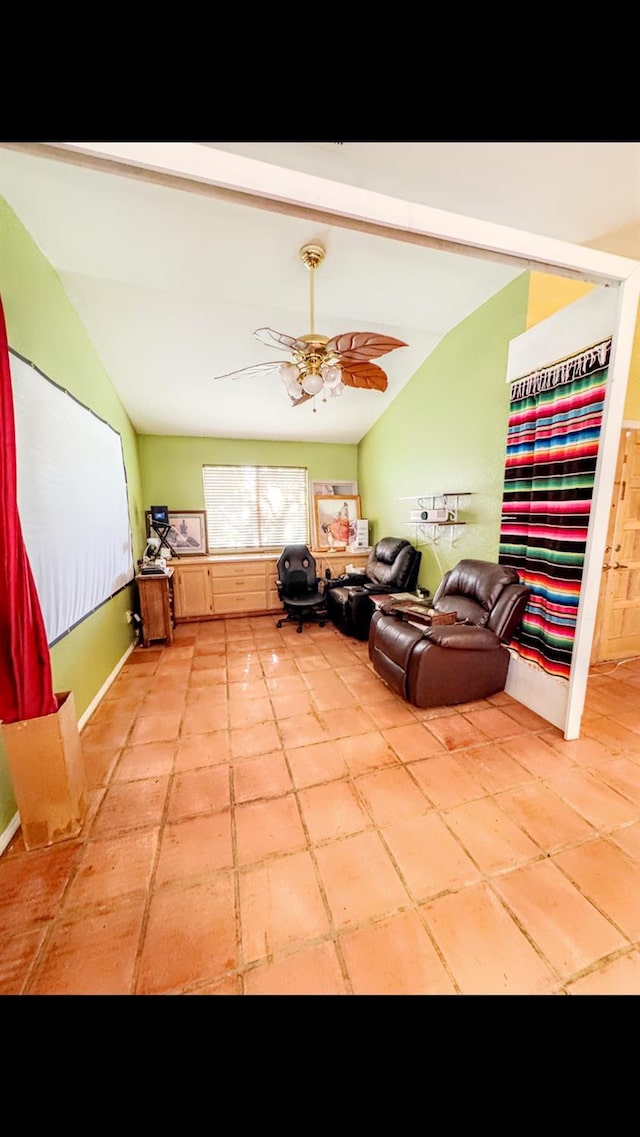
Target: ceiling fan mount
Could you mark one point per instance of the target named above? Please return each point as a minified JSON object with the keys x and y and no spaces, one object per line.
{"x":321,"y":364}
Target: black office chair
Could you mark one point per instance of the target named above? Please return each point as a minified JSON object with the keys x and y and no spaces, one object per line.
{"x":300,"y":589}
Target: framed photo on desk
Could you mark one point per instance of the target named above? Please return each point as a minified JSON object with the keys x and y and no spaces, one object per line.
{"x":335,"y":520}
{"x":188,"y":532}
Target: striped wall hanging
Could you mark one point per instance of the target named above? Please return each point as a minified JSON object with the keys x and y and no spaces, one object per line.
{"x":553,"y":436}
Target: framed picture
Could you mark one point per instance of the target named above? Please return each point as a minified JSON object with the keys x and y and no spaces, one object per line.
{"x":335,"y":520}
{"x":188,"y":532}
{"x":335,"y":489}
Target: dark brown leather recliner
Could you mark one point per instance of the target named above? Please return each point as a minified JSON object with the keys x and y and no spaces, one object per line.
{"x":392,"y":567}
{"x":453,"y":663}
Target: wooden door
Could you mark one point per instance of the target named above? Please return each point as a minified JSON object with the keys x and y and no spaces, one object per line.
{"x":617,"y":634}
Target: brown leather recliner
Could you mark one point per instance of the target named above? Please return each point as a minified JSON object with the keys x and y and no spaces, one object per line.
{"x":453,"y":663}
{"x":392,"y":567}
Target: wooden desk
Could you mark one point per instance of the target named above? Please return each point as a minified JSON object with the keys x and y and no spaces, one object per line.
{"x":156,"y":606}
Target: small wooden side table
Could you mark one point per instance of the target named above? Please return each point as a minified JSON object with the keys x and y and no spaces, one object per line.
{"x":156,"y":606}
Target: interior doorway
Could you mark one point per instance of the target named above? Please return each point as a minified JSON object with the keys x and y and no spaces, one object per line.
{"x":617,"y":633}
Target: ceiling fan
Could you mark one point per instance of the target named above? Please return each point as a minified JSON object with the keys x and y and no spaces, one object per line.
{"x":319,"y":363}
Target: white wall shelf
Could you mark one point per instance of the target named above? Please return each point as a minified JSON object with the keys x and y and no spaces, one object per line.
{"x":432,"y":531}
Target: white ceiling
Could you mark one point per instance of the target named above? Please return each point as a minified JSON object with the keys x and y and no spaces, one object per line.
{"x":171,"y":283}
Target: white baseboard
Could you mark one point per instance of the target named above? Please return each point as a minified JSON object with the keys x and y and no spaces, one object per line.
{"x":9,"y":832}
{"x":86,"y":715}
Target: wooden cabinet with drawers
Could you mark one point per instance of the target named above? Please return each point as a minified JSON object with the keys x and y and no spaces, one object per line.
{"x":156,"y":601}
{"x":218,"y":586}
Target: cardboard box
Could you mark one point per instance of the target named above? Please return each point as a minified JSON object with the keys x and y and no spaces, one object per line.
{"x":47,"y":774}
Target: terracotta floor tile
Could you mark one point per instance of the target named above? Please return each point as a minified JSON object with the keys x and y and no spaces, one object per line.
{"x":208,"y":749}
{"x":569,"y":931}
{"x":445,"y":781}
{"x":113,"y":869}
{"x":262,"y":738}
{"x":615,"y":737}
{"x":248,"y":691}
{"x":347,"y":722}
{"x":302,"y":730}
{"x":319,"y":762}
{"x":280,"y":905}
{"x":17,"y":957}
{"x":332,"y":810}
{"x":286,"y":684}
{"x":112,"y":732}
{"x":195,"y":847}
{"x":200,"y":918}
{"x":429,"y":858}
{"x":159,"y":702}
{"x":147,"y":760}
{"x":391,"y":795}
{"x":490,"y":836}
{"x":286,"y":706}
{"x":603,"y":806}
{"x":493,"y":767}
{"x":95,"y":955}
{"x":485,"y":951}
{"x":359,"y":880}
{"x":267,"y":775}
{"x":537,"y":755}
{"x":619,"y":977}
{"x":265,"y":828}
{"x":628,"y":839}
{"x":205,"y":790}
{"x":250,"y":711}
{"x":548,"y":819}
{"x":390,"y":712}
{"x":155,"y":728}
{"x":454,"y":732}
{"x":609,"y":878}
{"x":373,"y":957}
{"x":204,"y":718}
{"x":314,"y":971}
{"x":623,"y":775}
{"x":494,"y":722}
{"x":131,"y":805}
{"x":32,"y":885}
{"x":413,"y":741}
{"x":365,"y":752}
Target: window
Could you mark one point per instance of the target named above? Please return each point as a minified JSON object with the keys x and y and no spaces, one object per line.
{"x":256,"y":507}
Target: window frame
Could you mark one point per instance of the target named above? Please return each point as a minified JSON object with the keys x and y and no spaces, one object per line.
{"x":235,"y":472}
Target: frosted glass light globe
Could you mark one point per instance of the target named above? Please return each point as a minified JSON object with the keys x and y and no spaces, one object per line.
{"x":312,"y":384}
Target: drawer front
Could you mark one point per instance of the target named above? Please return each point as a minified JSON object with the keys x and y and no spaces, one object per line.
{"x":237,"y":574}
{"x":230,"y":584}
{"x":245,"y":601}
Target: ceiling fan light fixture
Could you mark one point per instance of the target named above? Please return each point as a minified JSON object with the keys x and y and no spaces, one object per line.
{"x":290,"y":376}
{"x":332,"y":375}
{"x":312,"y":383}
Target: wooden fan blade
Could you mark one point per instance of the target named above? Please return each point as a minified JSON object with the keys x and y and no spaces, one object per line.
{"x":280,"y":339}
{"x":358,"y":346}
{"x":367,"y":375}
{"x":304,"y":397}
{"x":251,"y":372}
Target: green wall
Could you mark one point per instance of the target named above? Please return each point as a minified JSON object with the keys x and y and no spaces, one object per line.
{"x":446,"y":432}
{"x":44,"y":328}
{"x":171,"y":468}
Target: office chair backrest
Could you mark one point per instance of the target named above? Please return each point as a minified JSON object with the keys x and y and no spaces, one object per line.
{"x":297,"y":570}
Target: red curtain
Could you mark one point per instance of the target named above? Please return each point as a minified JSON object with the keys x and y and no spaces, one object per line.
{"x":26,"y":690}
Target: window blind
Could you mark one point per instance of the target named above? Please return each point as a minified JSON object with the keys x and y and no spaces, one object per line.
{"x":256,"y":507}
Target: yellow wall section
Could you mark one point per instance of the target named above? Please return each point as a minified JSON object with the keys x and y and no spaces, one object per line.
{"x":548,"y":294}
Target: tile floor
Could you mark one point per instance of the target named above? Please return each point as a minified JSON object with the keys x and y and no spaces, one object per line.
{"x":266,"y":818}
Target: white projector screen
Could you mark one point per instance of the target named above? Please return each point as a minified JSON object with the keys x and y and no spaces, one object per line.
{"x":72,"y":500}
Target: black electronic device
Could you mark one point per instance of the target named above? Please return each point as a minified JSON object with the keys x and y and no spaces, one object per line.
{"x":159,"y":514}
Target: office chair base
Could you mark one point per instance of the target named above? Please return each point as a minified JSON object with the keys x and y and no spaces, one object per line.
{"x":301,"y":620}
